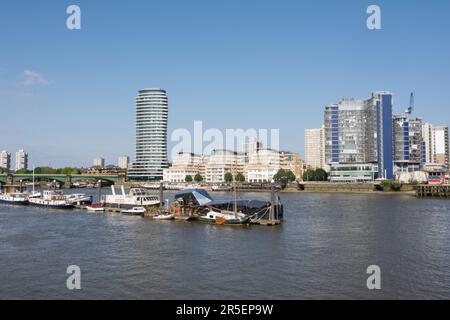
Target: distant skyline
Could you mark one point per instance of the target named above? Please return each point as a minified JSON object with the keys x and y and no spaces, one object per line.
{"x":68,"y":96}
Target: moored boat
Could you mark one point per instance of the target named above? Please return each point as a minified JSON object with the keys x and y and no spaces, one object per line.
{"x":79,"y":199}
{"x":136,"y":211}
{"x":196,"y":202}
{"x":164,"y":216}
{"x":52,"y":199}
{"x":215,"y":216}
{"x":136,"y":197}
{"x":14,"y":198}
{"x":95,"y":207}
{"x":34,"y":194}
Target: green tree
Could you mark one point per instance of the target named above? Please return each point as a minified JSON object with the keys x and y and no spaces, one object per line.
{"x":228,"y":177}
{"x":188,"y":178}
{"x":395,"y":186}
{"x":45,"y":170}
{"x":389,"y":185}
{"x":309,"y":175}
{"x":240,"y":177}
{"x":280,"y":175}
{"x":290,"y":176}
{"x":321,"y":175}
{"x":69,"y":171}
{"x":198,"y":177}
{"x":23,"y":171}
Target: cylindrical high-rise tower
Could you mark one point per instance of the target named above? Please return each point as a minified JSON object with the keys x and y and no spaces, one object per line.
{"x":151,"y":135}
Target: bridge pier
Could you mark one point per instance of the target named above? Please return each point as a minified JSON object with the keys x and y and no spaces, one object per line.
{"x":122,"y":177}
{"x":68,"y":182}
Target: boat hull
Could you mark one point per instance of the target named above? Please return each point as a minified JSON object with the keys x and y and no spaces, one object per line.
{"x":82,"y":202}
{"x":164,"y":217}
{"x":14,"y":202}
{"x":52,"y":206}
{"x":127,"y":206}
{"x":237,"y":221}
{"x":129,"y":213}
{"x":91,"y":209}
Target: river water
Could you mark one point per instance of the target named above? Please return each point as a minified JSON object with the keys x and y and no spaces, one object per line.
{"x":321,"y":251}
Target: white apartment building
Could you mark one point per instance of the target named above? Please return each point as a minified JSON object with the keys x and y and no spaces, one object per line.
{"x":99,"y":162}
{"x":123,"y":162}
{"x":185,"y":164}
{"x":263,"y":165}
{"x":292,"y":161}
{"x":315,"y":148}
{"x":5,"y":160}
{"x":21,"y":160}
{"x":436,"y":144}
{"x":251,"y":146}
{"x":222,"y":161}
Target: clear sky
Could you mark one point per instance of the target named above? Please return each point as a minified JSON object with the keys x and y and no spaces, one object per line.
{"x":68,"y":96}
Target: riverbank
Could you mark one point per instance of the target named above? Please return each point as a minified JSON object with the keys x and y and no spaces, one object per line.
{"x":399,"y":193}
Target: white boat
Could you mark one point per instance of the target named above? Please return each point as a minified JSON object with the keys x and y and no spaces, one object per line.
{"x":225,"y":217}
{"x":14,"y":198}
{"x":96,"y":207}
{"x":53,"y":199}
{"x":34,"y":194}
{"x":79,"y":199}
{"x":135,"y":211}
{"x":221,"y":188}
{"x":137,"y":197}
{"x":216,"y":216}
{"x":154,"y":186}
{"x":164,"y":216}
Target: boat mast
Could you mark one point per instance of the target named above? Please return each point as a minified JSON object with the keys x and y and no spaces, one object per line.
{"x":33,"y":179}
{"x":234,"y":190}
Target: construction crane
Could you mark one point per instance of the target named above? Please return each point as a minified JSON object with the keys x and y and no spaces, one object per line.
{"x":411,"y":104}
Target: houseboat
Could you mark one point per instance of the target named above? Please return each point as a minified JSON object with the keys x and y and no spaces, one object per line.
{"x":198,"y":203}
{"x":14,"y":198}
{"x":13,"y":194}
{"x":52,"y":199}
{"x":136,"y":197}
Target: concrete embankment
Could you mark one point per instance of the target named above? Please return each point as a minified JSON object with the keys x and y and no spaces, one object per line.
{"x":369,"y":188}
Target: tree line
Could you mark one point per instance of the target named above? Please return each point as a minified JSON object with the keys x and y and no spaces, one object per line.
{"x":49,"y":170}
{"x":281,"y":176}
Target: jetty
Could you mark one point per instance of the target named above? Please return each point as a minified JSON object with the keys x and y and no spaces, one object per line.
{"x":433,"y":191}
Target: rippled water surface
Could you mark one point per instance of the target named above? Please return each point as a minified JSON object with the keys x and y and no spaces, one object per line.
{"x":321,"y":251}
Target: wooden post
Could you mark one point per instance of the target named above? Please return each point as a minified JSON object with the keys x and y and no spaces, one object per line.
{"x":99,"y":191}
{"x":272,"y":200}
{"x":161,"y":195}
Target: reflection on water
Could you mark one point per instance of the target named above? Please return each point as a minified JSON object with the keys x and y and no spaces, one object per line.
{"x":321,"y":251}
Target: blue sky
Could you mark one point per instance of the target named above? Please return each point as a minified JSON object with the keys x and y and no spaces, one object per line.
{"x":68,"y":96}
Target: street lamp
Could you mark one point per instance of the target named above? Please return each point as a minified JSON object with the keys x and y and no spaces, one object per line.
{"x":99,"y":191}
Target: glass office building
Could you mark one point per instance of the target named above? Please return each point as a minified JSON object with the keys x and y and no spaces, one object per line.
{"x":409,"y":148}
{"x":360,"y":132}
{"x":151,"y":135}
